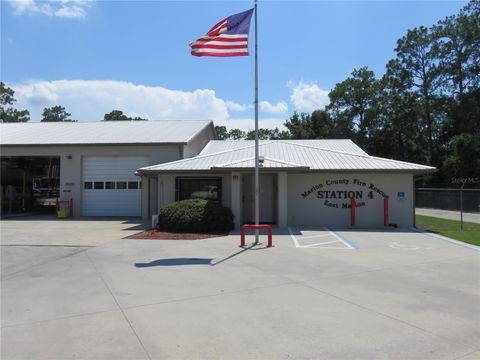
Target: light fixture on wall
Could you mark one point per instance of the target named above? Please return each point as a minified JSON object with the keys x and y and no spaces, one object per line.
{"x":69,"y":157}
{"x":261,"y":160}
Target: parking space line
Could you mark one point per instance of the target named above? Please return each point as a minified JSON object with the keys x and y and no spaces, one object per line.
{"x":323,"y":243}
{"x":448,"y":240}
{"x":343,"y":239}
{"x":295,"y":241}
{"x":319,"y":245}
{"x":314,"y":236}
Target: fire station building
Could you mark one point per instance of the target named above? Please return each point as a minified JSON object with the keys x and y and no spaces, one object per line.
{"x":133,"y":168}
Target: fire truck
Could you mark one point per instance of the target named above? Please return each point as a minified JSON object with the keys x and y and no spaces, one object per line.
{"x":45,"y":190}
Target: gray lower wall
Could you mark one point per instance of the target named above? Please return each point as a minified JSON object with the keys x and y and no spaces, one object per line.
{"x":311,"y":209}
{"x":71,"y":169}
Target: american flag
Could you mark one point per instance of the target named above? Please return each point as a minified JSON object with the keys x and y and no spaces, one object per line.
{"x":227,"y":38}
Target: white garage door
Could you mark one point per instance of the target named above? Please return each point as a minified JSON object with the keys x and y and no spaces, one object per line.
{"x":109,"y":186}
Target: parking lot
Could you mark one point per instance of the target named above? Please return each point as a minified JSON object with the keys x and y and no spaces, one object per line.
{"x":78,"y":293}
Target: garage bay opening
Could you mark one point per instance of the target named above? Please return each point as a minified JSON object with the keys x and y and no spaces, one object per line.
{"x":29,"y":184}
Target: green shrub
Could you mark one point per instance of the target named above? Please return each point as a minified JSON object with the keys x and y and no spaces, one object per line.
{"x":196,"y":215}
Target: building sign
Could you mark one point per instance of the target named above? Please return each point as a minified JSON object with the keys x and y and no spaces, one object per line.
{"x":331,"y":196}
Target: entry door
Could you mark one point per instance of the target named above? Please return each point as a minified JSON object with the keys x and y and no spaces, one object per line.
{"x":268,"y":198}
{"x":110,"y":187}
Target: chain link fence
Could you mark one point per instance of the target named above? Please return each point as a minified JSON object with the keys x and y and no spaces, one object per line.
{"x":458,"y":204}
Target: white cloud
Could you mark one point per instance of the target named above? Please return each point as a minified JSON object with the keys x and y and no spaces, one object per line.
{"x":53,"y":8}
{"x":89,"y":100}
{"x":280,"y":107}
{"x":307,"y":97}
{"x":233,"y":106}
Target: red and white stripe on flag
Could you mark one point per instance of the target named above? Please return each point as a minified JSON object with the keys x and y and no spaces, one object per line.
{"x":222,"y":41}
{"x":221,"y":45}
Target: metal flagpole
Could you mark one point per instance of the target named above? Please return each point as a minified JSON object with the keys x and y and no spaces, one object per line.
{"x":257,"y":177}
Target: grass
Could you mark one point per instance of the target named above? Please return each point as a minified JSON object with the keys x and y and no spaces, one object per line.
{"x":450,"y":228}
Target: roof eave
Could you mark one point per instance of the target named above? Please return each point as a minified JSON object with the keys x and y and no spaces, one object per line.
{"x":407,"y":171}
{"x":99,"y":144}
{"x":262,"y":168}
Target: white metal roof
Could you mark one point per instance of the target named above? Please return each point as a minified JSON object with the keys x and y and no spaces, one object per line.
{"x":101,"y":132}
{"x":287,"y":155}
{"x":331,"y":144}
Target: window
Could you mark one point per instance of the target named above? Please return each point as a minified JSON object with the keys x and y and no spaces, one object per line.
{"x":133,"y":184}
{"x":121,"y":185}
{"x":109,"y":184}
{"x":88,"y":185}
{"x":209,"y":188}
{"x":98,"y":185}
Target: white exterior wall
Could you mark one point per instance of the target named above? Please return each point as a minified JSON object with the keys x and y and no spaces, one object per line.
{"x":312,"y":209}
{"x":295,"y":209}
{"x":282,"y":207}
{"x":71,"y":169}
{"x":197,"y":144}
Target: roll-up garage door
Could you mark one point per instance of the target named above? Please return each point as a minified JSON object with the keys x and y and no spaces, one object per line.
{"x":109,"y":186}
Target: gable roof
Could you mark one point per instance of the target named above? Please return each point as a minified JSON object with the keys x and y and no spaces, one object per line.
{"x":288,"y":155}
{"x":344,"y":145}
{"x":101,"y":132}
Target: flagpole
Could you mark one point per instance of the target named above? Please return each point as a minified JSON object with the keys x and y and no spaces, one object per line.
{"x":257,"y":176}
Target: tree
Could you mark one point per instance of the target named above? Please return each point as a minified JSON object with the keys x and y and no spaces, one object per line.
{"x":398,"y":135}
{"x":55,"y":114}
{"x":276,"y":134}
{"x":299,"y":126}
{"x":416,"y":58}
{"x":10,"y":114}
{"x":221,"y":132}
{"x":6,"y":95}
{"x":457,"y":46}
{"x":323,"y":126}
{"x":236,"y":134}
{"x":268,"y":134}
{"x":318,"y":125}
{"x":464,"y":161}
{"x":463,"y":116}
{"x":353,"y":104}
{"x":118,"y":115}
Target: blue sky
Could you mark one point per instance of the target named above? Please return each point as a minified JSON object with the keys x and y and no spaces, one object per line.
{"x":95,"y":56}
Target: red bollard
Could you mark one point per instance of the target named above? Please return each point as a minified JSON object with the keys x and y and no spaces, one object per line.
{"x":71,"y":207}
{"x":353,"y":206}
{"x":255,"y":227}
{"x":242,"y":236}
{"x":385,"y":211}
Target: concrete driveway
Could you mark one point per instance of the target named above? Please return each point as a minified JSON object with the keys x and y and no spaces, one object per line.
{"x":390,"y":294}
{"x":50,"y":230}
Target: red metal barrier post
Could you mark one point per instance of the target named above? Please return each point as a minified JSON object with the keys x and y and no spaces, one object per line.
{"x":255,"y":227}
{"x":242,"y":236}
